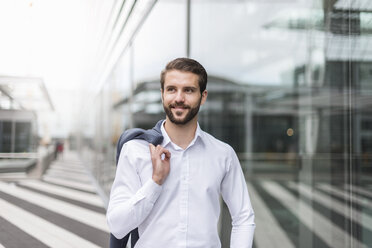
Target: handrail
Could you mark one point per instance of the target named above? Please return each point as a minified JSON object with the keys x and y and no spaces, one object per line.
{"x":18,"y":155}
{"x":294,"y":156}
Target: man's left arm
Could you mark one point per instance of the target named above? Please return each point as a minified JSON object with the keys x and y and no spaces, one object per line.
{"x":235,"y":194}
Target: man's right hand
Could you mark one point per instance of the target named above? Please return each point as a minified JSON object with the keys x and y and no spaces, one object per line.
{"x":160,"y":163}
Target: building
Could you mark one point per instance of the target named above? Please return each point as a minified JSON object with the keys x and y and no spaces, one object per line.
{"x":290,"y":89}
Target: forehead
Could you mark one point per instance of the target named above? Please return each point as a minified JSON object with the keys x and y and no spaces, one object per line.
{"x":181,"y":78}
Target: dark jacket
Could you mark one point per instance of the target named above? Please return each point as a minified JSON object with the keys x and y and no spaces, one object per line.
{"x":153,"y":136}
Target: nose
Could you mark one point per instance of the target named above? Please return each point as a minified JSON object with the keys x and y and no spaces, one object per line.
{"x":180,"y":97}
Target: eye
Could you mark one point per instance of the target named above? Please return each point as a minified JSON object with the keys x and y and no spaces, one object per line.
{"x":171,"y":89}
{"x":189,"y":90}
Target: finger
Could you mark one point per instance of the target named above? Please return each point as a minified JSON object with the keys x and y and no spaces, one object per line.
{"x":159,"y":148}
{"x":152,"y":148}
{"x":166,"y":153}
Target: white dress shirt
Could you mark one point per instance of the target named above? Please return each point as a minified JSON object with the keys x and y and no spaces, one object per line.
{"x":184,"y":211}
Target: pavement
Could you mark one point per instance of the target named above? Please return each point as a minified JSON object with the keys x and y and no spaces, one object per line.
{"x":62,"y":209}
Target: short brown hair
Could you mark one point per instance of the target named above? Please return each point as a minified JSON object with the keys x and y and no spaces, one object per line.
{"x":186,"y":65}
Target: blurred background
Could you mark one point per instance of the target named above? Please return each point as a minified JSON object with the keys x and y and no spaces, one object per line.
{"x":290,"y":88}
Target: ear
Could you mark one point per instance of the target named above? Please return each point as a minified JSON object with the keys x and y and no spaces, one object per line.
{"x":162,"y":95}
{"x":204,"y":97}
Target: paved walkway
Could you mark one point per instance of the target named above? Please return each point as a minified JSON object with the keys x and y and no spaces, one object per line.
{"x":63,"y":210}
{"x":60,"y":210}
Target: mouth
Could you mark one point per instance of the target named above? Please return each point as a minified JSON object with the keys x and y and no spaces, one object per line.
{"x":179,"y":111}
{"x":180,"y":108}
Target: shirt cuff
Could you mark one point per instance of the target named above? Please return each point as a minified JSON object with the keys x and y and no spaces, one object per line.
{"x":150,"y":190}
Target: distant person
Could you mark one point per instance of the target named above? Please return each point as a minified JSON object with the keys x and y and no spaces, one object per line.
{"x":171,"y":192}
{"x":60,"y":149}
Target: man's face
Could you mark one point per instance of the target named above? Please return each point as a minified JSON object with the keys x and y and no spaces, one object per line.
{"x":181,"y":96}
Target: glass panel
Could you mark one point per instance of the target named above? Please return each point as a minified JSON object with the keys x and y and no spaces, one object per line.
{"x":22,"y":137}
{"x":6,"y":136}
{"x":120,"y":104}
{"x":161,"y":38}
{"x":289,"y":88}
{"x":296,"y":107}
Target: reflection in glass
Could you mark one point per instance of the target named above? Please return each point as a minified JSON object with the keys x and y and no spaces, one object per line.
{"x":6,"y":136}
{"x":22,"y":137}
{"x":289,"y":88}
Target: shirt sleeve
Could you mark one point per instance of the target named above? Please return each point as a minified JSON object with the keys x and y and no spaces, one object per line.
{"x":130,"y":201}
{"x":235,"y":194}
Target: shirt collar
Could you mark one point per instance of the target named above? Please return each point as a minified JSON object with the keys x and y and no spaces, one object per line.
{"x":199,"y":134}
{"x":166,"y":139}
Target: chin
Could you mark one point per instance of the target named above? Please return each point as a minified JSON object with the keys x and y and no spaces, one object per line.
{"x":179,"y":120}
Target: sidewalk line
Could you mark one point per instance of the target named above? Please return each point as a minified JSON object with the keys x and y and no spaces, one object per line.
{"x":358,"y":189}
{"x":84,"y":179}
{"x":46,"y":232}
{"x":331,"y":234}
{"x":80,"y":214}
{"x":65,"y":192}
{"x":268,"y":233}
{"x":64,"y":182}
{"x":343,"y":209}
{"x":359,"y":200}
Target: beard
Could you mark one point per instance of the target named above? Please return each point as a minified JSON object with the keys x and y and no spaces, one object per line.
{"x":192,"y":112}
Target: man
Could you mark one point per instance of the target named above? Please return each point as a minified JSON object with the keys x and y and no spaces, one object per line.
{"x":172,"y":191}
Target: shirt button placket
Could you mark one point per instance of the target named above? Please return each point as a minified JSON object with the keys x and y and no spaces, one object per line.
{"x":184,"y":199}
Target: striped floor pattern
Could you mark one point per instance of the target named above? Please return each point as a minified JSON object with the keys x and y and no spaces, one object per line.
{"x":63,"y":210}
{"x":60,"y":210}
{"x":292,"y":214}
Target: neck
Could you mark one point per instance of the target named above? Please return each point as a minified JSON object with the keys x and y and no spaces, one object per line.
{"x":181,"y":135}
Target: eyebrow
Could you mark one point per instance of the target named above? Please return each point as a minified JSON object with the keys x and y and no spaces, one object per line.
{"x":185,"y":87}
{"x":190,"y":87}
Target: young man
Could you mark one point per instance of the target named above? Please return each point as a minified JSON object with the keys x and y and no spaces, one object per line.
{"x":171,"y":192}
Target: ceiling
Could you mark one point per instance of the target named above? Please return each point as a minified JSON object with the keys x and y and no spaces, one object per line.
{"x":26,"y":93}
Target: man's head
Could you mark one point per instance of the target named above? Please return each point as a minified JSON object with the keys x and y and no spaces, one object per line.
{"x":183,"y":90}
{"x":186,"y":65}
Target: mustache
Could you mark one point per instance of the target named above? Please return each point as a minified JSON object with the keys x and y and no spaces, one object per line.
{"x":174,"y":105}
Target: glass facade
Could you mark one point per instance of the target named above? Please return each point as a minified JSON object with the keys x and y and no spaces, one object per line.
{"x":290,"y":88}
{"x":18,"y":131}
{"x":6,"y":136}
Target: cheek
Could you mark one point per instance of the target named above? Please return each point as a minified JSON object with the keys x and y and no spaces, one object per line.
{"x":166,"y":99}
{"x":197,"y":100}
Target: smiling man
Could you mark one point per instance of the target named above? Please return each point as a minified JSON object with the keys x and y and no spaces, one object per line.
{"x":171,"y":192}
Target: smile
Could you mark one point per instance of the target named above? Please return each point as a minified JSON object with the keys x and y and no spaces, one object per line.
{"x":179,"y":107}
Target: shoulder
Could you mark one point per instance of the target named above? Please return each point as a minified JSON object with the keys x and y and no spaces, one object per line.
{"x":134,"y":154}
{"x":135,"y":147}
{"x":220,"y":151}
{"x":218,"y":146}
